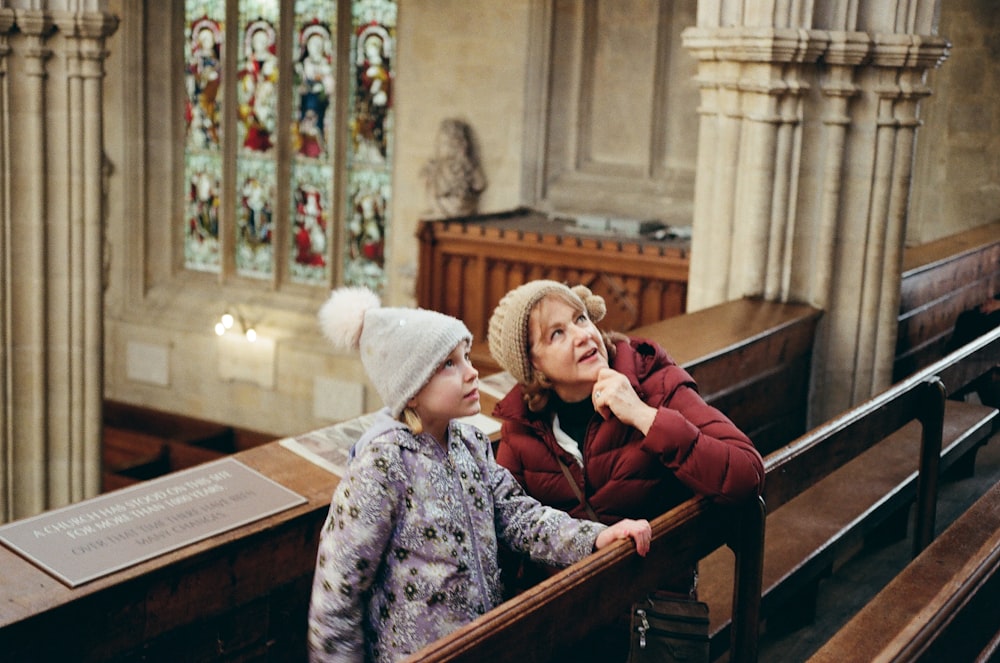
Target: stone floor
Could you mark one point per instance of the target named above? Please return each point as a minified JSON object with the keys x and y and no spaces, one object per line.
{"x":859,"y":578}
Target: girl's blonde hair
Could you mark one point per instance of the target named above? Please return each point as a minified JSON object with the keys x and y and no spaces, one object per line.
{"x":412,"y":420}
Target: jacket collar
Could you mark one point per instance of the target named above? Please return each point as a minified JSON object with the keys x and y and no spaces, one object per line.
{"x":384,"y":423}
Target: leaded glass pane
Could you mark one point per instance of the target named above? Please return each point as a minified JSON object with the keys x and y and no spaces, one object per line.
{"x":257,"y":111}
{"x":256,"y":190}
{"x":203,"y":75}
{"x":369,"y":191}
{"x":203,"y":82}
{"x":313,"y":140}
{"x":203,"y":203}
{"x":311,"y":214}
{"x":371,"y":131}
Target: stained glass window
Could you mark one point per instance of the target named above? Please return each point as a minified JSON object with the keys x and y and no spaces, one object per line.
{"x":369,"y":185}
{"x":313,"y":141}
{"x":264,"y":94}
{"x":203,"y":120}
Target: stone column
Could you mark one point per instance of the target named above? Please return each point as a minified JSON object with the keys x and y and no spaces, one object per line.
{"x":804,"y":164}
{"x":53,"y":260}
{"x":6,"y":339}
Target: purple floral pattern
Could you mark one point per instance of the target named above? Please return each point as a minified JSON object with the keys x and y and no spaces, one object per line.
{"x":409,"y":551}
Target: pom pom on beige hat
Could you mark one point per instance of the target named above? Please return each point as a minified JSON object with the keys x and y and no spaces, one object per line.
{"x":507,"y":334}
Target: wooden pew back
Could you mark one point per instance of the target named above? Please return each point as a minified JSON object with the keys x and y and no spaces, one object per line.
{"x":941,"y":606}
{"x":741,"y":349}
{"x":939,"y":281}
{"x":533,"y":626}
{"x":815,"y":455}
{"x":792,"y":470}
{"x":823,"y":499}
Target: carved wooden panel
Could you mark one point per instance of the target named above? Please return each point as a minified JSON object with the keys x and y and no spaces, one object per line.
{"x":467,"y":265}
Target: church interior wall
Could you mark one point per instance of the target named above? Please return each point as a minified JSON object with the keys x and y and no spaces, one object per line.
{"x":957,"y":171}
{"x":470,"y":59}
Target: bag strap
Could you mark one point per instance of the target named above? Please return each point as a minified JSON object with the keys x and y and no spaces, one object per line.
{"x":576,"y":490}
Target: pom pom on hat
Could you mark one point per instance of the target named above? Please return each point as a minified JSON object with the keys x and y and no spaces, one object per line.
{"x":343,"y":315}
{"x":507,"y":333}
{"x":401,"y":348}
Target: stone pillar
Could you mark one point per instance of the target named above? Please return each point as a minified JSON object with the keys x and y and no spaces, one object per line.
{"x":53,"y":259}
{"x":808,"y":117}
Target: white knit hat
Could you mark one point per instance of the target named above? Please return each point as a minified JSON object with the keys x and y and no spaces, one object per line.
{"x":401,"y":348}
{"x":507,"y":334}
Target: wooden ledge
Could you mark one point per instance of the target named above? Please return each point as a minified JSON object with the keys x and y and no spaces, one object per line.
{"x":699,"y":337}
{"x":126,"y":610}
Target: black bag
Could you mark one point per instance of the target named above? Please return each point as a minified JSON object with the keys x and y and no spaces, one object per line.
{"x":667,"y":628}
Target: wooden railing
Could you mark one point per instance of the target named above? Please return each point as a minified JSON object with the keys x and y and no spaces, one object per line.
{"x":855,"y":475}
{"x":536,"y":624}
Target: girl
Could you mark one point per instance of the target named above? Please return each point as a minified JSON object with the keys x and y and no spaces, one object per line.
{"x":409,"y":551}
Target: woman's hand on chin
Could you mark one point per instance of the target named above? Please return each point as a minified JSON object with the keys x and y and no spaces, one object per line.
{"x":613,"y":394}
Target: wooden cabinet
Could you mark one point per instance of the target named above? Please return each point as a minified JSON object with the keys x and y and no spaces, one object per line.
{"x":468,"y":264}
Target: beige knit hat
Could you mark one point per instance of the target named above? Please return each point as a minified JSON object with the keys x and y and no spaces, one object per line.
{"x":401,"y":348}
{"x":508,"y":328}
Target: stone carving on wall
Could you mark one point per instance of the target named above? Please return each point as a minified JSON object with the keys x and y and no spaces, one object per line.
{"x":453,"y":176}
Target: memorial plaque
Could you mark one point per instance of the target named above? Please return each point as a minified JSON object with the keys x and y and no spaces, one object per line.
{"x":99,"y":536}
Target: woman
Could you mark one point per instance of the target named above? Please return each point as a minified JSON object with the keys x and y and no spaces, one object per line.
{"x":611,"y":413}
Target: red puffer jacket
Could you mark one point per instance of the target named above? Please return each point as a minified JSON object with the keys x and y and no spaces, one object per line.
{"x":691,"y":448}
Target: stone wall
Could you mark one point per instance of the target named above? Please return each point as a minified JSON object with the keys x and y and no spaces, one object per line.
{"x":957,"y":174}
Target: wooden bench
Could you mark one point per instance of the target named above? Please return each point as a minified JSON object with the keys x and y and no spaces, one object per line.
{"x":941,"y":279}
{"x":740,"y":350}
{"x":941,"y":606}
{"x":533,"y":626}
{"x":838,"y":484}
{"x":141,"y":443}
{"x":129,"y":457}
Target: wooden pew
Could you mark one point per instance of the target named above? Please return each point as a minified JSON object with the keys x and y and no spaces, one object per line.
{"x":141,"y":443}
{"x":941,"y":279}
{"x":168,"y":426}
{"x":830,"y":489}
{"x":941,"y":606}
{"x":533,"y":626}
{"x":129,"y":457}
{"x":742,"y":349}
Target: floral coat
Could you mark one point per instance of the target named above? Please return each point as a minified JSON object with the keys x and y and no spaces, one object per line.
{"x":409,"y":551}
